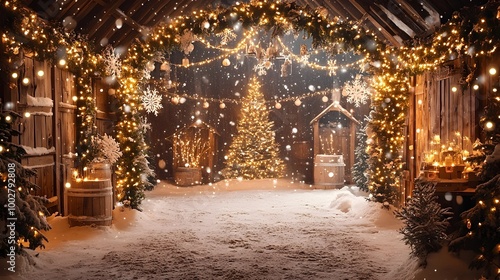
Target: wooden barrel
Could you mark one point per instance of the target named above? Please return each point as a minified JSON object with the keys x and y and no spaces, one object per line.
{"x":329,"y":171}
{"x":186,"y":176}
{"x":99,"y":171}
{"x":89,"y":202}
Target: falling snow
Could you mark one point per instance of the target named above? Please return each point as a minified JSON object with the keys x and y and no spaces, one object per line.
{"x":357,"y":91}
{"x":151,"y":101}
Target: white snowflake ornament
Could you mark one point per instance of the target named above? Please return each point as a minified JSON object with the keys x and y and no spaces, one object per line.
{"x":261,"y":69}
{"x":226,"y":36}
{"x":151,"y":101}
{"x":357,"y":91}
{"x":112,"y":62}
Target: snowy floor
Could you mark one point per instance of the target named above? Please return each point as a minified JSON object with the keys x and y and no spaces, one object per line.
{"x":262,"y":229}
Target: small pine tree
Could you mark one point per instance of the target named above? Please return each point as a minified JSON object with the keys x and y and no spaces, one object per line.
{"x":361,"y":160}
{"x":22,"y":217}
{"x":254,"y":153}
{"x":425,"y":221}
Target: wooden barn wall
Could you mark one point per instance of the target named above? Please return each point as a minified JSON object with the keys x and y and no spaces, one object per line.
{"x":52,"y":129}
{"x":38,"y":127}
{"x":441,"y":108}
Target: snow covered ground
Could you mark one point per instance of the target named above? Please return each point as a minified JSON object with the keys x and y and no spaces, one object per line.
{"x":261,"y":229}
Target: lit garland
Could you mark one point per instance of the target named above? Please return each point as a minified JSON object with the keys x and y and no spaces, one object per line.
{"x":473,"y":34}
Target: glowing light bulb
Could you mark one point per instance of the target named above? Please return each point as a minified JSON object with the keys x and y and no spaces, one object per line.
{"x":492,"y":71}
{"x":40,"y":73}
{"x":119,"y":23}
{"x":489,"y":125}
{"x":15,"y":75}
{"x":26,"y":81}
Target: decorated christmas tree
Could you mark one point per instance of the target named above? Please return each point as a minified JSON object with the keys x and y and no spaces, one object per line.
{"x":480,"y":228}
{"x":425,"y":222}
{"x":254,"y":153}
{"x":361,"y":160}
{"x":22,"y":218}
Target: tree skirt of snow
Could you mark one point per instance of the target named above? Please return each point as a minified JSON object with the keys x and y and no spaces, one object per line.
{"x":260,"y":229}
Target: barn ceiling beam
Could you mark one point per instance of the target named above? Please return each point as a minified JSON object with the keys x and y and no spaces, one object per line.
{"x":108,"y":9}
{"x":413,"y":13}
{"x":387,"y":35}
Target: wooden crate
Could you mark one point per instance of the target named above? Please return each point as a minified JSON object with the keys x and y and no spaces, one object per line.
{"x":185,"y":176}
{"x":89,"y":203}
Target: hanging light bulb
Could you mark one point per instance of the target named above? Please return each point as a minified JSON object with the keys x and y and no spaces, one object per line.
{"x":206,"y":104}
{"x":40,"y":73}
{"x":277,"y":105}
{"x":119,"y":23}
{"x":175,"y":100}
{"x":298,"y":102}
{"x":226,"y":62}
{"x":324,"y":99}
{"x":185,"y":62}
{"x":222,"y":105}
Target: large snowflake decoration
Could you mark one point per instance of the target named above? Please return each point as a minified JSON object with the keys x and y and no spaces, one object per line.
{"x":112,"y":62}
{"x":226,"y":36}
{"x":357,"y":91}
{"x":151,"y":101}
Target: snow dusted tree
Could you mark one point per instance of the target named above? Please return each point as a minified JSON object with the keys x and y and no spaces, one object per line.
{"x":425,"y":221}
{"x":22,"y":217}
{"x":254,"y":154}
{"x":361,"y":160}
{"x":480,"y":230}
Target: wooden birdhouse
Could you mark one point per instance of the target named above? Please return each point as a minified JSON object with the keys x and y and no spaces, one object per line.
{"x":334,"y":132}
{"x":194,"y":154}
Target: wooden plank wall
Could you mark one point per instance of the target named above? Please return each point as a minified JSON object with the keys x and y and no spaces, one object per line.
{"x":37,"y":128}
{"x":442,"y":111}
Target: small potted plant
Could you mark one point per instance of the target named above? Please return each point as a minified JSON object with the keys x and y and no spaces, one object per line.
{"x":106,"y":151}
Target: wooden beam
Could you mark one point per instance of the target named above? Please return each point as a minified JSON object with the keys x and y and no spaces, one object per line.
{"x":84,"y":11}
{"x":155,"y":18}
{"x":377,"y":25}
{"x":108,"y":9}
{"x":413,"y":14}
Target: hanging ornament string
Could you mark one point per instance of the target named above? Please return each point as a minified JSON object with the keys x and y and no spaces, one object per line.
{"x":227,"y":51}
{"x":331,"y":67}
{"x":177,"y":96}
